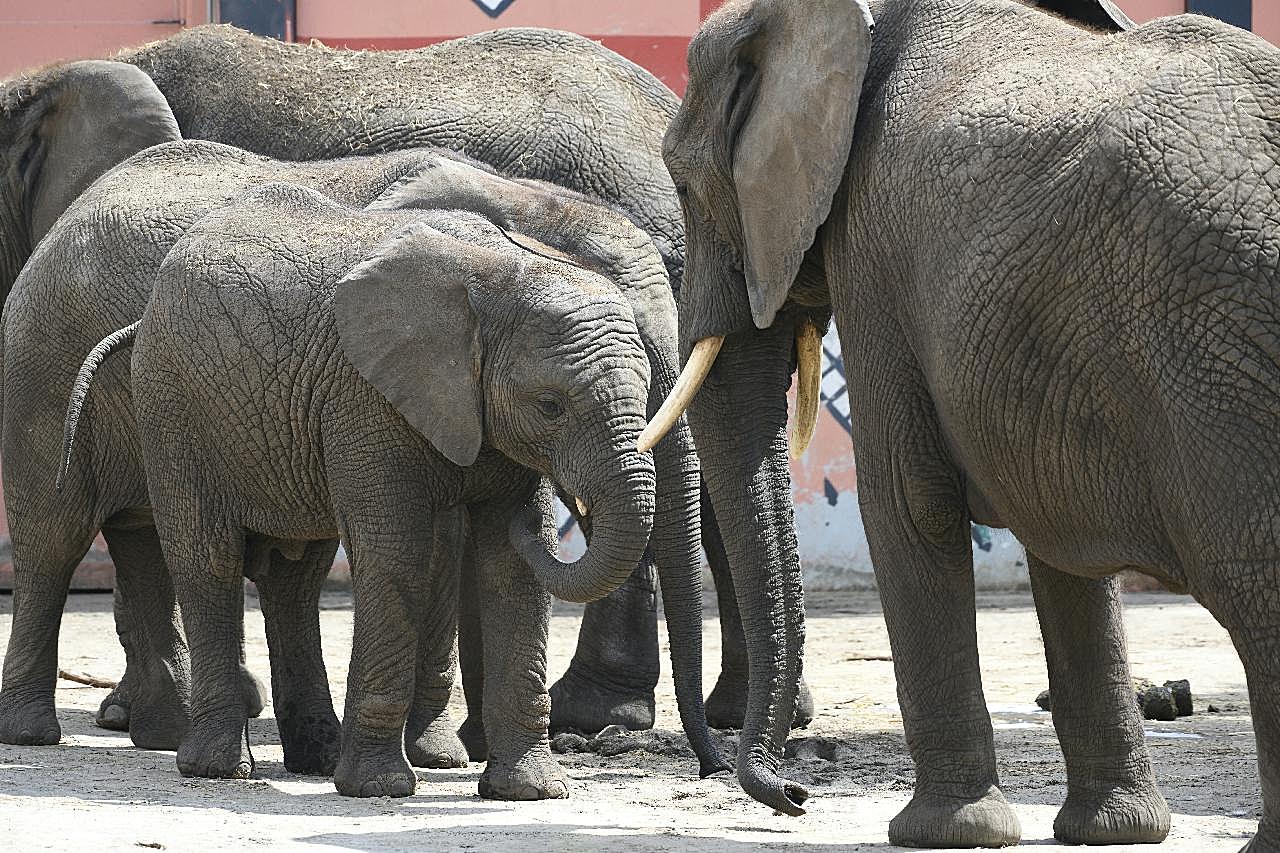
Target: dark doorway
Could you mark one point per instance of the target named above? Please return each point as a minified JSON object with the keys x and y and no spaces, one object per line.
{"x":1237,"y":12}
{"x":272,"y":18}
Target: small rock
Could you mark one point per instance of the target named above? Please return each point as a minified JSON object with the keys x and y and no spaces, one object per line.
{"x":1044,"y":701}
{"x":1213,"y":709}
{"x":1157,"y":703}
{"x":1181,"y":695}
{"x":568,"y":742}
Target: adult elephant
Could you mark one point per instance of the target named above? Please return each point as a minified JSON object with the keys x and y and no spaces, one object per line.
{"x":1050,"y":249}
{"x":532,"y":103}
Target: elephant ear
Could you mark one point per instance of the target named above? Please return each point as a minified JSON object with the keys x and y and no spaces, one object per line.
{"x":1102,"y":15}
{"x":406,"y":323}
{"x":91,"y":116}
{"x":796,"y":101}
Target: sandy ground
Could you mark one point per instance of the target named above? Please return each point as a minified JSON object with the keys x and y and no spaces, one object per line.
{"x":96,"y":791}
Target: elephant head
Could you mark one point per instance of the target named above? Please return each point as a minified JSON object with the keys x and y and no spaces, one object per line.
{"x":60,"y":129}
{"x":559,"y":223}
{"x":475,"y":341}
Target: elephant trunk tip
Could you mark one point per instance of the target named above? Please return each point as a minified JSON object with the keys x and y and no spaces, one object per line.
{"x":783,"y":796}
{"x":710,"y":765}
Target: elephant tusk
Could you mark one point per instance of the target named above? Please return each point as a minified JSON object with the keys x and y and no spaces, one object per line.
{"x":808,"y":387}
{"x":695,"y":370}
{"x":582,"y":508}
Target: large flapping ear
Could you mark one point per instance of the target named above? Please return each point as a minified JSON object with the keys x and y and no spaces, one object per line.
{"x":1102,"y":15}
{"x":96,"y":114}
{"x":406,"y":323}
{"x":795,"y":102}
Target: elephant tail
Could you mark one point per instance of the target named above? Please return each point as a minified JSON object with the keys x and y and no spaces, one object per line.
{"x":80,"y":390}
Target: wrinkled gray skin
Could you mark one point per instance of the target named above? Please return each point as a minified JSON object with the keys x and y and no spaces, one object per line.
{"x":532,"y":103}
{"x":378,"y":367}
{"x":1051,"y":250}
{"x":60,"y":129}
{"x":96,"y":270}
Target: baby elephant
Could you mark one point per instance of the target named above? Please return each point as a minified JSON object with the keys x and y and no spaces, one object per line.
{"x":306,"y":369}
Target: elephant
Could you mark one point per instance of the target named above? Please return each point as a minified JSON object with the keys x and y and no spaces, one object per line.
{"x":125,"y":225}
{"x":305,"y":368}
{"x":1048,"y":244}
{"x":532,"y":103}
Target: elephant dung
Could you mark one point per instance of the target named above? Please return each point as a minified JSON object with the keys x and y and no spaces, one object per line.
{"x":1157,"y":702}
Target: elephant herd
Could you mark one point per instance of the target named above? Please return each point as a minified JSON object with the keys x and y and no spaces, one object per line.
{"x":263,"y":298}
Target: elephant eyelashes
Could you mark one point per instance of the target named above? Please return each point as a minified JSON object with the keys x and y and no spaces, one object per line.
{"x":550,"y":408}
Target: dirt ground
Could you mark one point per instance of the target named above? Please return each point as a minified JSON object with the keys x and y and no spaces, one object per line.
{"x":96,"y":791}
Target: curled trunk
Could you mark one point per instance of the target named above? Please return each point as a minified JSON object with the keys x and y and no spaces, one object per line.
{"x":622,"y":518}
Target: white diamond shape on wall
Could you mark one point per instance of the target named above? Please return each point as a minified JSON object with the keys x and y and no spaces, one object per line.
{"x":493,"y":8}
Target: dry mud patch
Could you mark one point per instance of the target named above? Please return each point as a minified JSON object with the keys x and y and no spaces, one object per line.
{"x":96,"y":791}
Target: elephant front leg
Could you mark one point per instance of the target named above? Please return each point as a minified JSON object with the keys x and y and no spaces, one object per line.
{"x":289,"y":592}
{"x":1111,"y":793}
{"x":615,"y":665}
{"x":515,"y":619}
{"x":1243,"y":597}
{"x":153,"y":696}
{"x":917,"y":527}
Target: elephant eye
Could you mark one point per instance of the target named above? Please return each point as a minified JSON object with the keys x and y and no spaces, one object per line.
{"x":550,"y":407}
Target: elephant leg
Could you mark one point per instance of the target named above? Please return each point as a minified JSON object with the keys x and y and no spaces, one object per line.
{"x":113,"y":712}
{"x":615,"y":665}
{"x":917,"y":525}
{"x":44,"y":559}
{"x":515,"y":620}
{"x":289,"y":593}
{"x":157,"y":663}
{"x":205,"y":554}
{"x":1111,"y":793}
{"x":471,"y":653}
{"x":1242,"y":597}
{"x":430,"y":739}
{"x":727,"y":702}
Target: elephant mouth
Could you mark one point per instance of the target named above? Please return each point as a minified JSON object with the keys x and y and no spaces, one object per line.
{"x":701,"y":359}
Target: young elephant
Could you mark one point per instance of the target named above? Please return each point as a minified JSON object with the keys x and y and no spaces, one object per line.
{"x":306,"y":369}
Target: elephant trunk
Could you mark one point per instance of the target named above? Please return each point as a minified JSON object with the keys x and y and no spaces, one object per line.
{"x":739,"y":421}
{"x":621,"y":505}
{"x":675,"y":545}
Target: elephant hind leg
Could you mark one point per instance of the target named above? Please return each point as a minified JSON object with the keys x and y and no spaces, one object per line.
{"x":430,"y":739}
{"x":471,"y":655}
{"x":289,"y":592}
{"x":44,"y":558}
{"x":157,"y":676}
{"x":1111,"y":793}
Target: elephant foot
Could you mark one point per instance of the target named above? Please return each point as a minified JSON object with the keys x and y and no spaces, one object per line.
{"x":362,"y":773}
{"x":157,"y":710}
{"x":436,"y":745}
{"x":312,"y":740}
{"x":471,"y":733}
{"x":1120,"y":816}
{"x":727,"y":703}
{"x":1263,"y":842}
{"x":253,"y":692}
{"x":587,"y":705}
{"x":215,"y":749}
{"x":28,"y":722}
{"x":536,"y":776}
{"x":113,"y":713}
{"x":933,"y":820}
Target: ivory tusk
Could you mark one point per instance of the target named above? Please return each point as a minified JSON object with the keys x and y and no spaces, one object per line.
{"x":808,"y":387}
{"x":582,"y":508}
{"x":695,"y":370}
